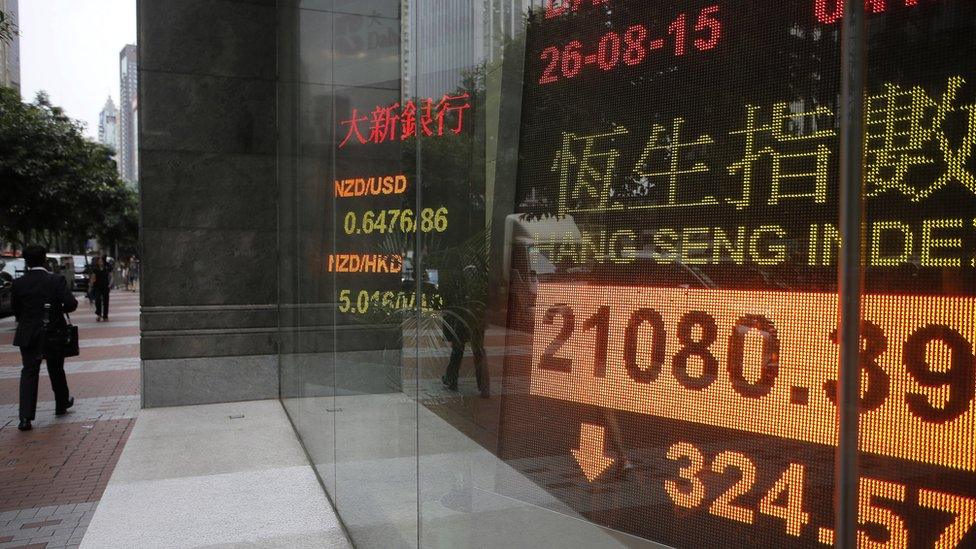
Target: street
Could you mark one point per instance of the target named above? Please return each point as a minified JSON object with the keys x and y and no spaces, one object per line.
{"x":54,"y":475}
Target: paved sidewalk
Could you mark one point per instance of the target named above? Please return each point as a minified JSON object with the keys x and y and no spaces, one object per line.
{"x":218,"y":475}
{"x":52,"y":478}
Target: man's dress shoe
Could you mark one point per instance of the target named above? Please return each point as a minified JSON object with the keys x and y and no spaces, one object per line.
{"x":64,"y":409}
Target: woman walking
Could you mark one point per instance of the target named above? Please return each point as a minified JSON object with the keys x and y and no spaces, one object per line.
{"x":133,"y":273}
{"x":100,"y":283}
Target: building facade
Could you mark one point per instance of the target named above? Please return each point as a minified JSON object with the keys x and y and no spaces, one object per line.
{"x":571,"y":274}
{"x":128,"y":148}
{"x":457,"y":36}
{"x":10,"y":53}
{"x":108,"y":126}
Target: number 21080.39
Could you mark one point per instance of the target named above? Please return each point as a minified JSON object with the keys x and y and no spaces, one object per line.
{"x":632,"y":47}
{"x":645,"y":349}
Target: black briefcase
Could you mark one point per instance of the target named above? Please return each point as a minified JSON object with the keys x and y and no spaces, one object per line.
{"x":61,"y":339}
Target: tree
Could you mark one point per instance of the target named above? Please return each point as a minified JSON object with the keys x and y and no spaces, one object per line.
{"x":54,"y":183}
{"x":119,"y":221}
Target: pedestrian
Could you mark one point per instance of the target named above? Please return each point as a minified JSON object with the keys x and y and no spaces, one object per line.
{"x":463,"y":323}
{"x":133,"y":272}
{"x":101,"y":284}
{"x":40,"y":299}
{"x":89,"y":292}
{"x":124,"y":273}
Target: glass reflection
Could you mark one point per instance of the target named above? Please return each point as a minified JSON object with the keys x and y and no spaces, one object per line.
{"x":565,"y":273}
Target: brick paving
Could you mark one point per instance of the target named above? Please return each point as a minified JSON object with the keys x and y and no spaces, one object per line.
{"x":85,"y":410}
{"x":83,"y":385}
{"x":71,"y":367}
{"x":51,"y":478}
{"x":98,"y":353}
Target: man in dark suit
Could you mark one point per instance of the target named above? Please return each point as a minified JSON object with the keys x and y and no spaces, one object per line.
{"x":31,"y":293}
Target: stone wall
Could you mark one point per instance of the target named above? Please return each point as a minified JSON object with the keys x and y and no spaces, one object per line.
{"x":207,"y":98}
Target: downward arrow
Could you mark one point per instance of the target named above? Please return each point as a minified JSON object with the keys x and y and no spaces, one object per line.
{"x":590,"y":455}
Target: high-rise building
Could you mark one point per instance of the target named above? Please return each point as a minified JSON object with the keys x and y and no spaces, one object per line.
{"x":135,"y":132}
{"x":505,"y":19}
{"x":450,"y":39}
{"x":128,"y":148}
{"x":108,"y":125}
{"x":10,"y":53}
{"x":444,"y":39}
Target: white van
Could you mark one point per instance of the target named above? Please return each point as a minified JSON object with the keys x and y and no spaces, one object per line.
{"x":524,"y":262}
{"x":64,"y":265}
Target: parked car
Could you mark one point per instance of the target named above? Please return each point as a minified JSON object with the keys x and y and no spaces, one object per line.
{"x":6,"y":287}
{"x":82,"y":272}
{"x":14,"y":267}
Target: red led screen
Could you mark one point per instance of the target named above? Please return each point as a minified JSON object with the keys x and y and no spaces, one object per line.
{"x":672,"y":355}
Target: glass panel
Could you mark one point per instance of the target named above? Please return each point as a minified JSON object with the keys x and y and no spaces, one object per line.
{"x":342,"y":362}
{"x":629,"y":264}
{"x":305,"y":118}
{"x":376,"y":425}
{"x":918,"y":424}
{"x":597,"y":242}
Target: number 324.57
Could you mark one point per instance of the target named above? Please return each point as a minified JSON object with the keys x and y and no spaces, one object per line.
{"x":784,"y":500}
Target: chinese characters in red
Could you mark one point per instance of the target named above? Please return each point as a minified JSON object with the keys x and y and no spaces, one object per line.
{"x":423,"y":117}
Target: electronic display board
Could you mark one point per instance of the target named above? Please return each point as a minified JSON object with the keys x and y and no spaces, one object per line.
{"x":678,"y":192}
{"x":378,"y":222}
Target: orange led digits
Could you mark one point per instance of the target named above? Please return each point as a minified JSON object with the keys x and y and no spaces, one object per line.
{"x":964,"y":510}
{"x":763,"y":362}
{"x":871,"y":513}
{"x":371,"y":186}
{"x":784,"y":499}
{"x":364,"y":263}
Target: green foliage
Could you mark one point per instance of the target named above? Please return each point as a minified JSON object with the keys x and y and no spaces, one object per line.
{"x":55,"y":183}
{"x":119,"y":219}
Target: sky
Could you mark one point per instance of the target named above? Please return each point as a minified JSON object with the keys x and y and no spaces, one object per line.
{"x":70,"y":49}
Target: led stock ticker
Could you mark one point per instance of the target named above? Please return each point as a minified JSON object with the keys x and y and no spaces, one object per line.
{"x":383,"y":295}
{"x":633,"y":46}
{"x":832,"y":11}
{"x":676,"y":256}
{"x":784,"y":500}
{"x":363,"y":302}
{"x":686,"y":33}
{"x":429,"y":220}
{"x":827,"y":11}
{"x":765,"y":363}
